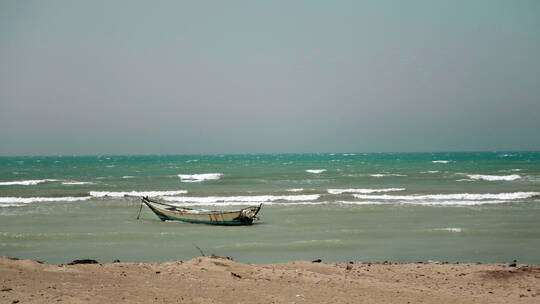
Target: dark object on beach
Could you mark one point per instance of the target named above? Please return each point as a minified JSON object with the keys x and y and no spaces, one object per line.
{"x":236,"y":275}
{"x":514,"y":264}
{"x":6,"y":289}
{"x":167,"y":212}
{"x":116,"y":261}
{"x":83,"y":261}
{"x":349,"y":267}
{"x":316,"y":261}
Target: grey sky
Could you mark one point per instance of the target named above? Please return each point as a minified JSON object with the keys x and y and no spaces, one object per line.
{"x":84,"y":77}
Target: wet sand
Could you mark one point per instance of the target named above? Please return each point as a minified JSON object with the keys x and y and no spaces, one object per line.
{"x":219,"y":280}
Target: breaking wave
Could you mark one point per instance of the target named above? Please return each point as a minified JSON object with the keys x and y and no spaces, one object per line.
{"x":77,"y":183}
{"x":457,"y":196}
{"x":18,"y":201}
{"x":212,"y":200}
{"x":440,"y":161}
{"x":316,"y":171}
{"x":494,"y":177}
{"x":248,"y":203}
{"x":30,"y":182}
{"x":101,"y":194}
{"x":449,"y":229}
{"x":197,"y":178}
{"x":386,"y":174}
{"x":365,"y":191}
{"x":429,"y":172}
{"x":465,"y":199}
{"x":295,"y":190}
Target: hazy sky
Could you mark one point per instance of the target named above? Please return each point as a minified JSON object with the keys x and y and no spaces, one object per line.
{"x":85,"y":77}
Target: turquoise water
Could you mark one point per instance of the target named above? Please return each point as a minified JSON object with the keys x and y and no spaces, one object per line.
{"x":472,"y":207}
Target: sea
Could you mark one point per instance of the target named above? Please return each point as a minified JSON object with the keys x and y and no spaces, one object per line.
{"x":407,"y":207}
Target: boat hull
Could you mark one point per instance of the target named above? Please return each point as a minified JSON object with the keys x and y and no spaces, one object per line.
{"x":233,"y":218}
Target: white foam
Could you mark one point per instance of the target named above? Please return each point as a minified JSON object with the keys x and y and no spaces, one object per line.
{"x":5,"y":205}
{"x":197,"y":178}
{"x":457,"y":196}
{"x":430,"y":172}
{"x":247,"y":203}
{"x":28,"y":200}
{"x":450,"y":229}
{"x":127,"y":176}
{"x":386,"y":174}
{"x":241,"y":199}
{"x":365,"y":191}
{"x":316,"y":171}
{"x":430,"y":203}
{"x":361,"y":203}
{"x":77,"y":183}
{"x":295,"y":190}
{"x":136,"y":193}
{"x":440,"y":161}
{"x":494,"y":177}
{"x":30,"y":182}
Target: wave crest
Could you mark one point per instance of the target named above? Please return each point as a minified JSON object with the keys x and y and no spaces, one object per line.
{"x":365,"y":191}
{"x":197,"y":178}
{"x":77,"y":183}
{"x":386,"y":174}
{"x":465,"y":199}
{"x":14,"y":201}
{"x":457,"y":196}
{"x":30,"y":182}
{"x":241,"y":199}
{"x":101,"y":194}
{"x":491,"y":178}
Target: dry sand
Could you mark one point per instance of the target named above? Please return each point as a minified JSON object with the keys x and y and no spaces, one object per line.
{"x":219,"y":280}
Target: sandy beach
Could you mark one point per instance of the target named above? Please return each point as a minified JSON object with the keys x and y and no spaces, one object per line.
{"x":220,"y":280}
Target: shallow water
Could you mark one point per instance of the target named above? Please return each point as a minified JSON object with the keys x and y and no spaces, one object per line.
{"x":444,"y":206}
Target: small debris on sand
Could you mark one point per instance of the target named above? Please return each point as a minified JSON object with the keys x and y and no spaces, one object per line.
{"x":83,"y":261}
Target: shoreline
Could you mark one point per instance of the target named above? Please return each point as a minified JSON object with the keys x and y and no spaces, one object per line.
{"x":222,"y":280}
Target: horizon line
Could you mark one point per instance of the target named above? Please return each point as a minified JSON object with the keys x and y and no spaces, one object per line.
{"x":264,"y":153}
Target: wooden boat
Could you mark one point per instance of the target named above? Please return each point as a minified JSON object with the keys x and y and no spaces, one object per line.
{"x":168,"y":212}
